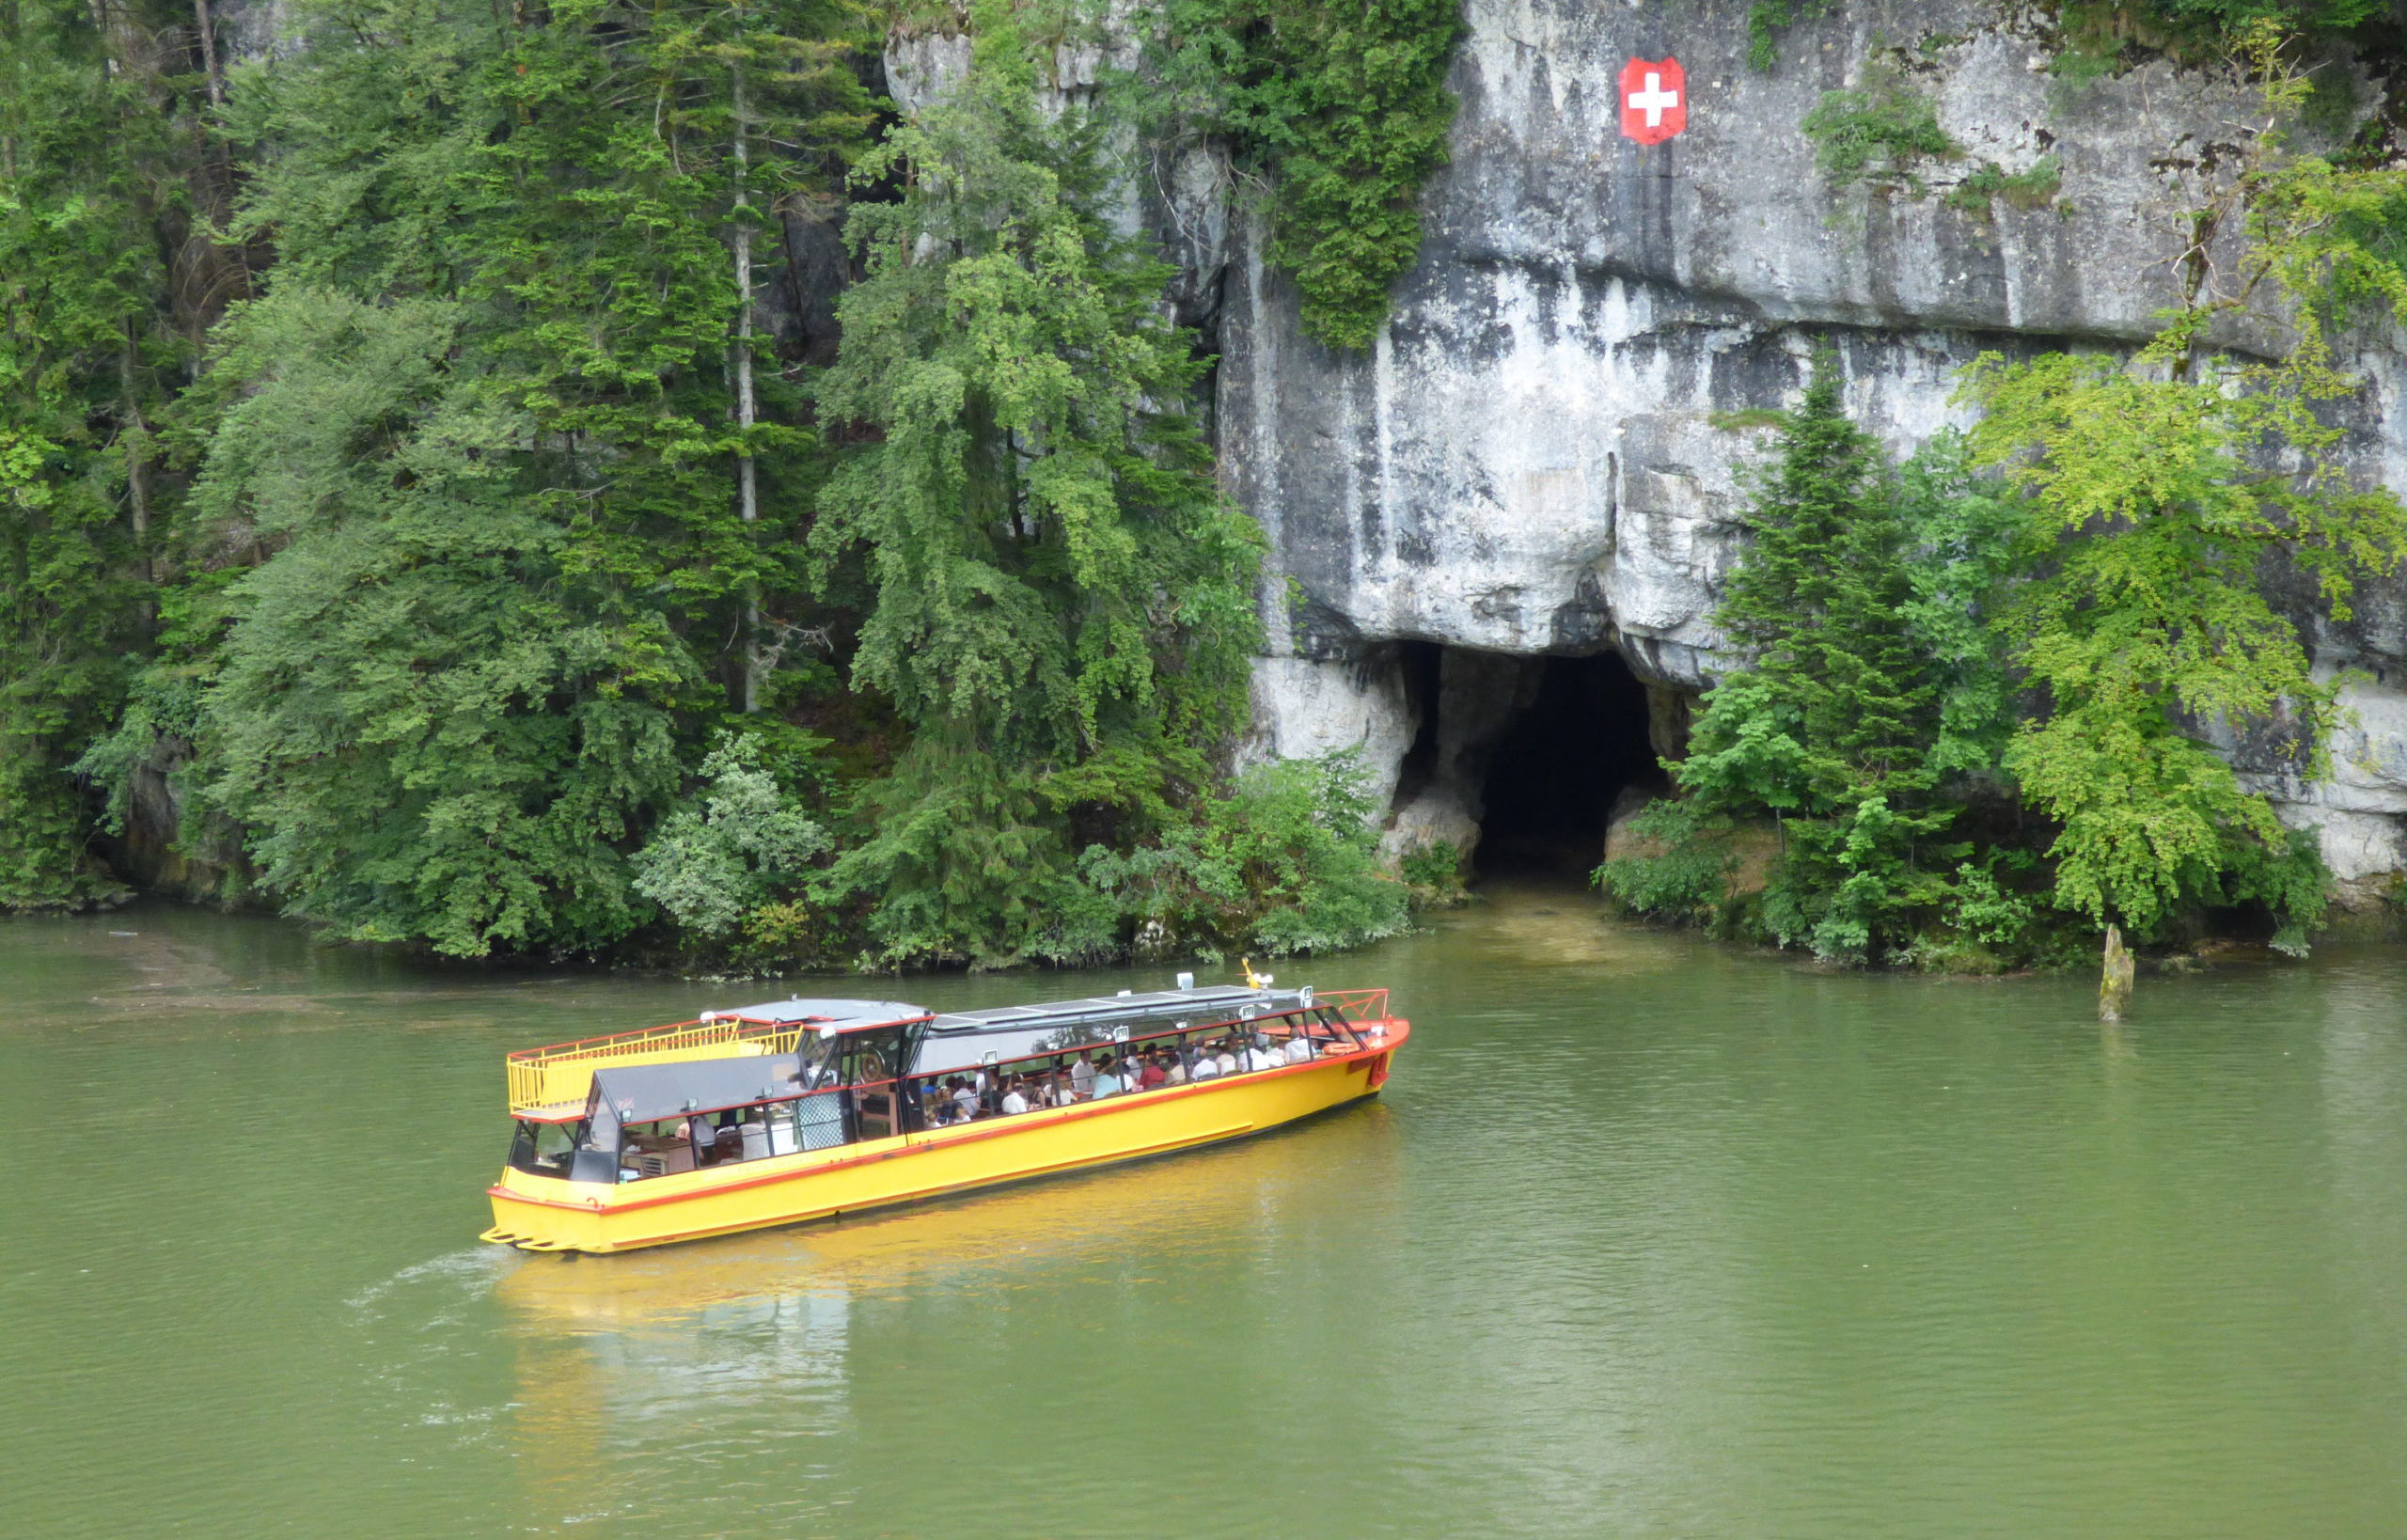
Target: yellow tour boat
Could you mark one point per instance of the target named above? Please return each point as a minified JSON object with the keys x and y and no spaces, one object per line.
{"x":810,"y":1109}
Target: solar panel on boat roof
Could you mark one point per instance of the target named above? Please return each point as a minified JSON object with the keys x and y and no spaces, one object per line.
{"x":843,"y":1012}
{"x":1157,"y":1002}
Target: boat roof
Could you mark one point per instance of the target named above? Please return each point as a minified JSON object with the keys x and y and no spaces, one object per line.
{"x":1214,"y":999}
{"x":960,"y":1040}
{"x":845,"y":1014}
{"x":849,"y":1016}
{"x":653,"y":1093}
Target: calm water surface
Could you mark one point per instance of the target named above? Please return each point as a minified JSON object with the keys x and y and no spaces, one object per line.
{"x":1645,"y":1239}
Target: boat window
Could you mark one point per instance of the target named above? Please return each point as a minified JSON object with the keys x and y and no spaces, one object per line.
{"x":1139,"y":1064}
{"x":657,"y":1149}
{"x":542,"y":1149}
{"x":863,"y":1100}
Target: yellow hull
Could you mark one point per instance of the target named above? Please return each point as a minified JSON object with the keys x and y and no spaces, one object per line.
{"x":547,"y":1213}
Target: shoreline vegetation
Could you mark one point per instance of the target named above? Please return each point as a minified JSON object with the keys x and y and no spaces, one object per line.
{"x":1985,"y":703}
{"x":423,"y":510}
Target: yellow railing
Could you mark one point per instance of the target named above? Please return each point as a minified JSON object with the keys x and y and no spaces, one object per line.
{"x":563,"y":1073}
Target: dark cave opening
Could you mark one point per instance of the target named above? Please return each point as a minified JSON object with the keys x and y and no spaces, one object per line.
{"x":1553,"y":775}
{"x":1519,"y":758}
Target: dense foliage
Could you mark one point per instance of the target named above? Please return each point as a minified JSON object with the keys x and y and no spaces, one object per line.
{"x":88,"y":183}
{"x":1342,"y":109}
{"x":411,"y":494}
{"x":1848,"y":712}
{"x":1061,"y":601}
{"x":473,"y":566}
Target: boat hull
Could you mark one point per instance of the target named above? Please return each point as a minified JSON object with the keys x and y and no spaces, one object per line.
{"x":546,"y":1214}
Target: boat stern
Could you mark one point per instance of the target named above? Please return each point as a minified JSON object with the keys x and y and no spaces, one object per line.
{"x":546,"y":1214}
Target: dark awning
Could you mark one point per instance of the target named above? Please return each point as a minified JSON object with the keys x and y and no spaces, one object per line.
{"x":656,"y":1092}
{"x":844,"y":1016}
{"x":960,"y":1038}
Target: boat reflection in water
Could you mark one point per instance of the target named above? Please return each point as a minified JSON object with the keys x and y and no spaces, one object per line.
{"x":807,"y":1109}
{"x":1213,"y":1202}
{"x":843,"y":1330}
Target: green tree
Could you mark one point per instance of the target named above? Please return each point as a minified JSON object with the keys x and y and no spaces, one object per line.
{"x":1344,"y":110}
{"x":495,"y":427}
{"x":438,"y":723}
{"x":1285,"y":861}
{"x":2150,"y":628}
{"x":1060,"y":598}
{"x":2160,"y":497}
{"x":84,"y":335}
{"x":1965,"y":539}
{"x":1828,"y":723}
{"x":746,"y":844}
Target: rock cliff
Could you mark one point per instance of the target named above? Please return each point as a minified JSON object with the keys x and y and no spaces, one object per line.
{"x":1539,"y":455}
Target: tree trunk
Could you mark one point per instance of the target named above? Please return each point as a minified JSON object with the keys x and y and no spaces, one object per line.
{"x":2114,"y":981}
{"x":135,"y":436}
{"x":207,"y":26}
{"x":747,"y":478}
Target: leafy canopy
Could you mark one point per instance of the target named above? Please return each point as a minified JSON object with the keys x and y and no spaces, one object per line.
{"x":86,"y":183}
{"x":1343,"y":108}
{"x":473,"y":448}
{"x":1059,"y":597}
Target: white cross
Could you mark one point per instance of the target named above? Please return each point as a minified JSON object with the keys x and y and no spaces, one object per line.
{"x":1653,"y":100}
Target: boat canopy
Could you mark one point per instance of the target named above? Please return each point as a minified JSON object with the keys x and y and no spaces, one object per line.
{"x":653,"y":1093}
{"x":626,"y":1093}
{"x":844,"y":1016}
{"x":959,"y":1040}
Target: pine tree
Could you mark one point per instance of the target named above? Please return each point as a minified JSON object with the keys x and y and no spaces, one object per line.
{"x":89,"y":192}
{"x":1828,"y":723}
{"x":1061,"y":601}
{"x":482,"y":446}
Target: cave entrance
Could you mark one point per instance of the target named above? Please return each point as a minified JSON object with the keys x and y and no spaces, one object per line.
{"x":1520,"y":759}
{"x":1555,"y":773}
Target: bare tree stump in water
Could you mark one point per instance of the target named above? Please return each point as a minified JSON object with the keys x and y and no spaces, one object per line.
{"x":2114,"y":982}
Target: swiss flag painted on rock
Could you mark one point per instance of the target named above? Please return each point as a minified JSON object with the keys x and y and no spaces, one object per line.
{"x":1654,"y":100}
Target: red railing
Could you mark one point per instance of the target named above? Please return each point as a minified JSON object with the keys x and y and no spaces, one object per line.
{"x":1357,"y":1004}
{"x":1336,"y":1040}
{"x":558,"y":1074}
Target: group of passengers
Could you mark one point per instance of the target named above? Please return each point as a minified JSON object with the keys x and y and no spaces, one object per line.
{"x":984,"y":1093}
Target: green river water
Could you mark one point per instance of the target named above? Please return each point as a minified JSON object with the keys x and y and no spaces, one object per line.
{"x":1645,"y":1239}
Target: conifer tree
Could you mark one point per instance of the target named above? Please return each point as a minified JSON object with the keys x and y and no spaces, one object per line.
{"x":1060,"y":606}
{"x":1828,"y":723}
{"x":480,"y":445}
{"x":87,"y":191}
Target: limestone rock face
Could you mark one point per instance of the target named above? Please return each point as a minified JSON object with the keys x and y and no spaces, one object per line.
{"x":1542,"y":451}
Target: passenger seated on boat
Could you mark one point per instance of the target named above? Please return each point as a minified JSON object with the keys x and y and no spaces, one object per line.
{"x":1206,"y":1067}
{"x":1300,"y":1049}
{"x":1224,"y":1062}
{"x":1107,"y":1081}
{"x":1016,"y":1100}
{"x":1173,"y":1068}
{"x":1153,"y":1076}
{"x":659,"y":1149}
{"x":1081,"y":1078}
{"x":1259,"y":1057}
{"x":727,"y":1143}
{"x":965,"y":1098}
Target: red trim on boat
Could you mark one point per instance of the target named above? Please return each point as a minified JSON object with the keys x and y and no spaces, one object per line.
{"x":993,"y":1128}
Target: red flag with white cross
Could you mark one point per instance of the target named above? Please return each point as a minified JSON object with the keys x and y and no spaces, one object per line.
{"x":1654,"y":100}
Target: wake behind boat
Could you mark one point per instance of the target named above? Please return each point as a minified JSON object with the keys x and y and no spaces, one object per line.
{"x":809,"y":1108}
